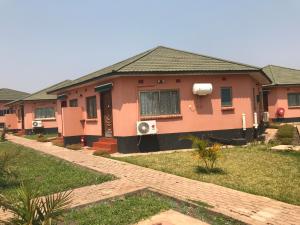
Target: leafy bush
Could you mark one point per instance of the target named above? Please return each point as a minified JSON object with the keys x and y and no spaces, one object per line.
{"x":3,"y":135}
{"x":74,"y":146}
{"x":101,"y":153}
{"x":285,"y":134}
{"x":58,"y":143}
{"x":27,"y":209}
{"x":209,"y":155}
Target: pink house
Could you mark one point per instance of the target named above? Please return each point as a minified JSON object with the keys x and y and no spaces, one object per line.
{"x":34,"y":113}
{"x":174,"y":92}
{"x":8,"y":95}
{"x":282,"y":97}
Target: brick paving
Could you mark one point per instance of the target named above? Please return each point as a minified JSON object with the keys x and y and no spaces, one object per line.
{"x":245,"y":207}
{"x":91,"y":194}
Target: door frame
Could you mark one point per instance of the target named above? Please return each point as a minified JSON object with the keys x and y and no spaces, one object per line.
{"x":102,"y":113}
{"x":22,"y":117}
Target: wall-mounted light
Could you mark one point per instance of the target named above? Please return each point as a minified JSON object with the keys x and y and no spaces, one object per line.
{"x":161,"y":81}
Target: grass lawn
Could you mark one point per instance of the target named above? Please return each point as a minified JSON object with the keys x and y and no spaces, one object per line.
{"x":45,"y":173}
{"x":34,"y":136}
{"x":131,"y":209}
{"x":254,"y":169}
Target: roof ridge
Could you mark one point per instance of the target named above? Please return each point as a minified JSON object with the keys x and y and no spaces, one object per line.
{"x":40,"y":91}
{"x":275,"y":81}
{"x":211,"y":57}
{"x":143,"y":54}
{"x":283,"y":67}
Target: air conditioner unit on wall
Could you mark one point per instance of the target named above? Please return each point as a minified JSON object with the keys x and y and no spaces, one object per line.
{"x":146,"y":127}
{"x":37,"y":123}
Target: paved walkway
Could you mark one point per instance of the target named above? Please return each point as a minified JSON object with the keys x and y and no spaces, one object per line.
{"x":91,"y":194}
{"x":246,"y":207}
{"x":171,"y":217}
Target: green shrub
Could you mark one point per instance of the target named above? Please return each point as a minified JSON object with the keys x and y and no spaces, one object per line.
{"x":58,"y":143}
{"x":285,"y":134}
{"x":101,"y":153}
{"x":209,"y":155}
{"x":286,"y":141}
{"x":74,"y":146}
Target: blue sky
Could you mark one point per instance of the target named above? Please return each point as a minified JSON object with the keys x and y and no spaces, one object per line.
{"x":45,"y":42}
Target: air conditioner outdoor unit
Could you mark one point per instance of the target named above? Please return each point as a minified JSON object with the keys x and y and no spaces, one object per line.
{"x":146,"y":127}
{"x":266,"y":117}
{"x":37,"y":123}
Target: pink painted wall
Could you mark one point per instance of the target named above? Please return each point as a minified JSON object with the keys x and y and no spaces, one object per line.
{"x":198,"y":113}
{"x":2,"y":118}
{"x":11,"y":121}
{"x":278,"y":98}
{"x":72,"y":125}
{"x":90,"y":126}
{"x":29,"y":113}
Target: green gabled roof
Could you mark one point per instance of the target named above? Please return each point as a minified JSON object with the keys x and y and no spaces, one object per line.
{"x":282,"y":75}
{"x":42,"y":94}
{"x":10,"y":94}
{"x":163,"y":59}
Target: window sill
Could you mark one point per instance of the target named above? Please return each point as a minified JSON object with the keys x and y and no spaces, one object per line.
{"x":161,"y":117}
{"x":294,"y":107}
{"x":227,"y":108}
{"x":91,"y":120}
{"x":45,"y":119}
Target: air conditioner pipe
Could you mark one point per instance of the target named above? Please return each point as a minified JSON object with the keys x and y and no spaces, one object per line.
{"x":244,"y":121}
{"x":255,"y":121}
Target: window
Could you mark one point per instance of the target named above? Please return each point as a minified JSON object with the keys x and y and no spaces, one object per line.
{"x":226,"y":96}
{"x":294,"y":99}
{"x":73,"y":103}
{"x":164,"y":102}
{"x":5,"y":111}
{"x":91,"y":107}
{"x":42,"y":113}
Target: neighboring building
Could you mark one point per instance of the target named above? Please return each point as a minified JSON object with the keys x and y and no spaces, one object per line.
{"x":158,"y":85}
{"x":282,"y":97}
{"x":40,"y":107}
{"x":8,"y":95}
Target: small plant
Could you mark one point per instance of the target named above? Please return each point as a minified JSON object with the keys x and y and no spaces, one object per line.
{"x":74,"y":146}
{"x":101,"y":153}
{"x":29,"y":210}
{"x":209,"y":155}
{"x":42,"y":138}
{"x":3,"y":135}
{"x":58,"y":143}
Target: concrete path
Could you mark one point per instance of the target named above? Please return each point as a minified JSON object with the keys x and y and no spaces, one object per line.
{"x":91,"y":194}
{"x":286,"y":148}
{"x":171,"y":217}
{"x":246,"y":207}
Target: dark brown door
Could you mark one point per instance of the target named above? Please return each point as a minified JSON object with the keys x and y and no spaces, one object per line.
{"x":23,"y":117}
{"x":106,"y":114}
{"x":265,"y":101}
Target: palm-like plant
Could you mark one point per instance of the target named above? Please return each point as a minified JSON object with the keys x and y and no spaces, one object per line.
{"x":208,"y":155}
{"x":26,"y":209}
